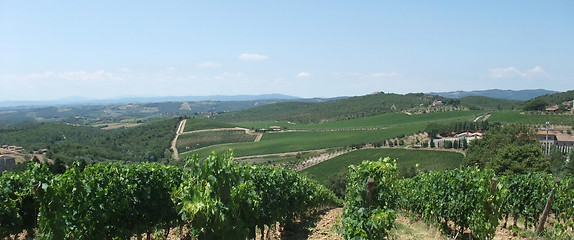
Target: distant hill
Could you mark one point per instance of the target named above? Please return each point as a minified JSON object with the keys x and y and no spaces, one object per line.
{"x":539,"y":103}
{"x":335,"y":110}
{"x":521,"y":95}
{"x":488,"y":103}
{"x":72,"y":101}
{"x":556,"y":98}
{"x":96,"y":114}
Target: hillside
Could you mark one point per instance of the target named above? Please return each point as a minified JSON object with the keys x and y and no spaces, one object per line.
{"x":488,"y":103}
{"x":550,"y":100}
{"x":522,"y":95}
{"x":101,"y":114}
{"x":149,"y":141}
{"x":364,"y":106}
{"x":344,"y":109}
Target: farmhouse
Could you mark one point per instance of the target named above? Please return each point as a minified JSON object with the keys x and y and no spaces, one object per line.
{"x":13,"y":148}
{"x":564,"y":142}
{"x":275,"y":128}
{"x":552,"y":108}
{"x":6,"y":163}
{"x":436,"y":103}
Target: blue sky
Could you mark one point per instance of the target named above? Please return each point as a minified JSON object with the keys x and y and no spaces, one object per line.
{"x":107,"y":49}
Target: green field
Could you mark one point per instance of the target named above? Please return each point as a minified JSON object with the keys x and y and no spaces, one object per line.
{"x":301,"y":141}
{"x":539,"y":119}
{"x":428,"y":160}
{"x":320,"y":136}
{"x":196,"y":140}
{"x":378,"y":121}
{"x":195,"y":124}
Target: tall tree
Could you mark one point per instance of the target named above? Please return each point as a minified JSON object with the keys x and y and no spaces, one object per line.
{"x":509,"y":149}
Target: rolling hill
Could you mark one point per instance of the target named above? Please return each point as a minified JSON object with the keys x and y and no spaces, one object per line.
{"x":488,"y":103}
{"x":343,"y":109}
{"x":522,"y":95}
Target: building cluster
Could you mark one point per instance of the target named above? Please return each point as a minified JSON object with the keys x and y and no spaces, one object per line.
{"x":563,"y":142}
{"x":465,"y":136}
{"x":568,"y":106}
{"x":12,"y":148}
{"x":437,"y":103}
{"x":272,"y":128}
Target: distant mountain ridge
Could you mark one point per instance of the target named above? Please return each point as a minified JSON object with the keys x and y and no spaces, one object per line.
{"x":126,"y":100}
{"x":522,"y":95}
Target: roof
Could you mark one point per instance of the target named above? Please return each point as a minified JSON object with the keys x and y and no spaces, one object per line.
{"x":564,"y":137}
{"x":544,"y":133}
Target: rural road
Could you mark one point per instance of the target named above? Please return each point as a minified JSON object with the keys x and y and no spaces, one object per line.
{"x":178,"y":132}
{"x":181,"y":128}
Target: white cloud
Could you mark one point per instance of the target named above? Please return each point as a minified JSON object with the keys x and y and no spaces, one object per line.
{"x":208,"y":64}
{"x":512,"y":72}
{"x":384,"y":74}
{"x":535,"y":71}
{"x":251,"y":57}
{"x":303,"y":74}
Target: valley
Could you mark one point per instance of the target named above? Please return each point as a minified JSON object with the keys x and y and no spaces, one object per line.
{"x":318,"y":141}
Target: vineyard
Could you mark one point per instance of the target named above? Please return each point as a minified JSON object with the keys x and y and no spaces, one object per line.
{"x":215,"y":198}
{"x":463,"y":201}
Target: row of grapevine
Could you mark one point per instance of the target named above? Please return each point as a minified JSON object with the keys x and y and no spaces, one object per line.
{"x":108,"y":201}
{"x":526,"y":196}
{"x":216,"y":198}
{"x":370,"y":216}
{"x":475,"y":199}
{"x":224,"y":200}
{"x":462,"y":196}
{"x":19,"y":204}
{"x":563,"y":206}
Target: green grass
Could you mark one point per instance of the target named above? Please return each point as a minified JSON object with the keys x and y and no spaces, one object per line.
{"x":428,"y":160}
{"x":539,"y":119}
{"x":195,"y":140}
{"x":202,"y":124}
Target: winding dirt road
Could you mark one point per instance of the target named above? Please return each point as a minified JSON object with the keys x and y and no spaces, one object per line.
{"x":178,"y":132}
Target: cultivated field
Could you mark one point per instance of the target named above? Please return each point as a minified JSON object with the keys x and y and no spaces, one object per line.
{"x":305,"y":137}
{"x":195,"y":140}
{"x":534,"y":119}
{"x":428,"y":160}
